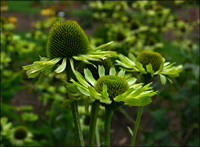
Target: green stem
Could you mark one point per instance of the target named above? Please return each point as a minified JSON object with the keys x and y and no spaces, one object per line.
{"x":97,"y":134}
{"x":76,"y":118}
{"x":108,"y":115}
{"x":75,"y":114}
{"x":93,"y":120}
{"x":139,"y":114}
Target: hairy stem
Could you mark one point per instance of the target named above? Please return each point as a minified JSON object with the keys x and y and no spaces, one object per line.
{"x":108,"y":115}
{"x":139,"y":114}
{"x":93,"y":120}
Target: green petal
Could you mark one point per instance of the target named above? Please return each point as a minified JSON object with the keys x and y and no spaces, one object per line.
{"x":104,"y":46}
{"x":126,"y":61}
{"x":81,"y":88}
{"x":123,"y":96}
{"x":81,"y":79}
{"x":121,"y":73}
{"x":150,"y":69}
{"x":140,"y":67}
{"x":163,"y":79}
{"x":101,"y":70}
{"x":41,"y":79}
{"x":104,"y":92}
{"x":112,"y":71}
{"x":62,"y":67}
{"x":131,"y":80}
{"x":132,"y":57}
{"x":138,"y":102}
{"x":33,"y":75}
{"x":89,"y":77}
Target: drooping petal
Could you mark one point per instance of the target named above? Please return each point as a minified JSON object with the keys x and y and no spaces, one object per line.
{"x":62,"y":67}
{"x":89,"y":77}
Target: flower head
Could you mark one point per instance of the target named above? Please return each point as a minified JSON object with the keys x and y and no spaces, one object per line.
{"x":20,"y":135}
{"x":67,"y":41}
{"x":114,"y":87}
{"x":149,"y":62}
{"x":149,"y":57}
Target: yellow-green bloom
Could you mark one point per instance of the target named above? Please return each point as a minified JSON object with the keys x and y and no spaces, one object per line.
{"x":66,"y":41}
{"x":114,"y":87}
{"x":19,"y":135}
{"x":150,"y":62}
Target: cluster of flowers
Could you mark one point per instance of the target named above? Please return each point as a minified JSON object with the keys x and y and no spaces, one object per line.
{"x":68,"y":47}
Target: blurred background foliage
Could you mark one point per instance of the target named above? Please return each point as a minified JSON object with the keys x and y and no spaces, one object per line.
{"x":168,"y":27}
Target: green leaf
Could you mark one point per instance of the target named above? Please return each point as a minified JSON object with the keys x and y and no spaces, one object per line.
{"x":112,"y":71}
{"x":101,"y":70}
{"x":163,"y":79}
{"x":62,"y":67}
{"x":89,"y":77}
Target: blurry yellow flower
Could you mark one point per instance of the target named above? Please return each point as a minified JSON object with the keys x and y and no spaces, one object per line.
{"x":48,"y":12}
{"x":12,"y":19}
{"x":4,"y":6}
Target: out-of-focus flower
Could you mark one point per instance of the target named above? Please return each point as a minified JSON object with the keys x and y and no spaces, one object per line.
{"x":48,"y":11}
{"x":19,"y":135}
{"x":12,"y":19}
{"x":4,"y":6}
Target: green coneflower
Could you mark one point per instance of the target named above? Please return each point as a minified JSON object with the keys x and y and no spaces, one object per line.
{"x":149,"y":57}
{"x":116,"y":85}
{"x":113,"y":87}
{"x":150,"y":62}
{"x":66,"y":41}
{"x":20,"y":135}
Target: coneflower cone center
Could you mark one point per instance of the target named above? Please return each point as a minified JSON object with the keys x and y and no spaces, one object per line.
{"x":115,"y":85}
{"x":154,"y":58}
{"x":66,"y":39}
{"x":20,"y":133}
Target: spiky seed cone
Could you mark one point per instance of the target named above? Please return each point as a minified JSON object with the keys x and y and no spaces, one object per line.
{"x":115,"y":85}
{"x":20,"y":133}
{"x":146,"y":57}
{"x":66,"y":39}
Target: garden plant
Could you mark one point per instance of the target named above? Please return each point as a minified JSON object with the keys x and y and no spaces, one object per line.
{"x":133,"y":81}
